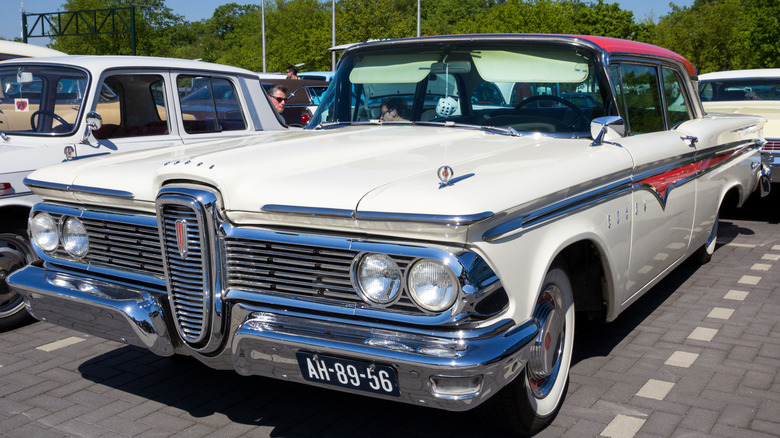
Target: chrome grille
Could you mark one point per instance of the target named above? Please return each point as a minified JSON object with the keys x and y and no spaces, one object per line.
{"x":120,"y":245}
{"x":297,"y":270}
{"x":187,"y":279}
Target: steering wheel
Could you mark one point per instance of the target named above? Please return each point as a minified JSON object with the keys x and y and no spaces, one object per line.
{"x":47,"y":113}
{"x":580,"y":114}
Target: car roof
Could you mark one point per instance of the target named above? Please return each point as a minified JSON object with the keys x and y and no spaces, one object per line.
{"x":106,"y":62}
{"x":13,"y":49}
{"x":607,"y":45}
{"x":755,"y":73}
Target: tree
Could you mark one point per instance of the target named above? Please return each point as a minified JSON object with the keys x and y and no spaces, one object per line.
{"x":702,"y":33}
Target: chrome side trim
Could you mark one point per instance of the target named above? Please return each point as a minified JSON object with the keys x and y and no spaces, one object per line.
{"x":307,"y":211}
{"x":452,"y":220}
{"x":558,"y":210}
{"x":588,"y":199}
{"x":32,"y":183}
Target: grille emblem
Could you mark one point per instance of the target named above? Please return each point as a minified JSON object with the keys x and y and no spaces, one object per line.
{"x":181,"y":238}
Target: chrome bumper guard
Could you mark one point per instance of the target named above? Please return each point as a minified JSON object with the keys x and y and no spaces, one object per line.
{"x":264,"y":342}
{"x":118,"y":312}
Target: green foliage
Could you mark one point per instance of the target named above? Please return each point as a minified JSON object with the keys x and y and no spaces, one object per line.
{"x":723,"y":34}
{"x":154,"y":26}
{"x":714,"y":34}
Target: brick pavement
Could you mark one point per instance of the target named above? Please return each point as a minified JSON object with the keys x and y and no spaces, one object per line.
{"x":696,"y":356}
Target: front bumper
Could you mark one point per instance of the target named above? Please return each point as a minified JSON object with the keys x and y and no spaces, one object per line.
{"x":264,"y":341}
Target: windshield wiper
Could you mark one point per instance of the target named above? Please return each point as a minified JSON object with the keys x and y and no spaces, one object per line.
{"x":329,"y":125}
{"x":508,"y":130}
{"x":489,"y":129}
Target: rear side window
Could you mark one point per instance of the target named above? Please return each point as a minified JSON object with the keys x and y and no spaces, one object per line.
{"x":676,"y":105}
{"x":209,"y":104}
{"x":132,"y":105}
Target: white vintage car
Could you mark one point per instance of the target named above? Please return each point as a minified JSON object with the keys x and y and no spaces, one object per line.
{"x":13,"y":49}
{"x":72,"y":107}
{"x":427,"y":239}
{"x":748,"y":92}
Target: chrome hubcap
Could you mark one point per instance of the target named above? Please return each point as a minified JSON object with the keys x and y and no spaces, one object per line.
{"x":10,"y":260}
{"x":545,"y":361}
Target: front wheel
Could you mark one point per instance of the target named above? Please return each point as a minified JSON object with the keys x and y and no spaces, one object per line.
{"x":531,"y":401}
{"x":15,"y":253}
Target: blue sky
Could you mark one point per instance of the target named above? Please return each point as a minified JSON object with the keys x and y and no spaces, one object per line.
{"x":194,"y":10}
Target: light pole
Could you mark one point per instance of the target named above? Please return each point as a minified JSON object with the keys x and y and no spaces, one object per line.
{"x":333,"y":35}
{"x":418,"y":17}
{"x":262,"y":24}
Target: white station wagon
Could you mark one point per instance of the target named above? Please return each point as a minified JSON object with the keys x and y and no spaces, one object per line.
{"x":428,"y":239}
{"x":755,"y":91}
{"x":72,"y":107}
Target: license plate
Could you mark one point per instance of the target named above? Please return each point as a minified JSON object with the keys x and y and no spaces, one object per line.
{"x":379,"y":379}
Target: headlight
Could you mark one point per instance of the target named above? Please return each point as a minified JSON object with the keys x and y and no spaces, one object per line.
{"x":44,"y":231}
{"x":74,"y":237}
{"x":432,"y":285}
{"x":378,"y":279}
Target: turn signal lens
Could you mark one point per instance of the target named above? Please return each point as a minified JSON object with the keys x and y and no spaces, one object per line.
{"x":44,"y":231}
{"x":378,"y":279}
{"x":74,"y":237}
{"x":432,"y":285}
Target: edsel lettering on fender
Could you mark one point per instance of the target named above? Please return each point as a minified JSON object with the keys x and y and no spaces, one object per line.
{"x":427,"y":239}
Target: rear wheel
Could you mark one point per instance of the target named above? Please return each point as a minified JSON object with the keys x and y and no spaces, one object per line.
{"x":15,"y":253}
{"x":532,"y":400}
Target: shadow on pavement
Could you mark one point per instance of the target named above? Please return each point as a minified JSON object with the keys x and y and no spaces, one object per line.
{"x":279,"y":408}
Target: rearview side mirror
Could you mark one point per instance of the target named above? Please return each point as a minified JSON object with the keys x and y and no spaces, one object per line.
{"x":607,"y":129}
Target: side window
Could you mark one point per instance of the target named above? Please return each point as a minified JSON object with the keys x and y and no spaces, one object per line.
{"x":642,"y":98}
{"x":209,"y":104}
{"x":132,"y":106}
{"x":705,"y":91}
{"x":674,"y":93}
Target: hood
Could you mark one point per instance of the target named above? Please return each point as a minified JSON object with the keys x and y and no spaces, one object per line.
{"x":387,"y":169}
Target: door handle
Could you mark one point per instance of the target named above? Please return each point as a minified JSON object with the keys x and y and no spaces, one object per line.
{"x":690,"y":138}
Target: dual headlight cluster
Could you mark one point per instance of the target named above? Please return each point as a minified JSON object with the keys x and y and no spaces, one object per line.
{"x":430,"y":283}
{"x":48,"y":233}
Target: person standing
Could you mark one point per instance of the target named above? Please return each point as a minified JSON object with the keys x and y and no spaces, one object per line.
{"x":292,"y":72}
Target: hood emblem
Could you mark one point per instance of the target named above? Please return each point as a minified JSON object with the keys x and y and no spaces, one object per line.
{"x":181,"y":238}
{"x":446,"y":176}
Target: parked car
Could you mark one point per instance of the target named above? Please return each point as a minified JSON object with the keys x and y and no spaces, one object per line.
{"x":316,"y":75}
{"x":748,"y":92}
{"x":437,"y":260}
{"x":72,"y":107}
{"x":303,"y":96}
{"x":13,"y":49}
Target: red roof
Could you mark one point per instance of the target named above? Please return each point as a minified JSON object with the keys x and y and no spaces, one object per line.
{"x":616,"y":45}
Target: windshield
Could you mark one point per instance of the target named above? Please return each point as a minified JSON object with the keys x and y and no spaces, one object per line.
{"x":549,"y":89}
{"x":740,"y":89}
{"x":40,"y":99}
